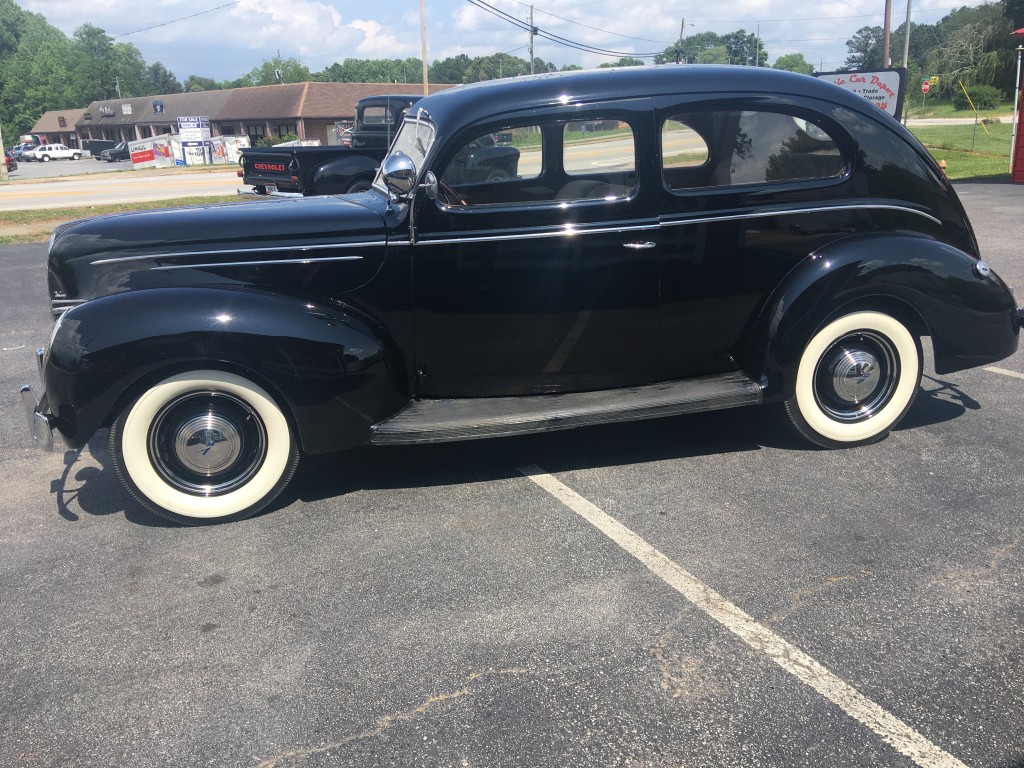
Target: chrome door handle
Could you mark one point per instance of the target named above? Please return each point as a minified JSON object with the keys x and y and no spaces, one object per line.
{"x":639,"y":246}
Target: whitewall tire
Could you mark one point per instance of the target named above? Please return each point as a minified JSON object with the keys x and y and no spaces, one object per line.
{"x":857,"y":377}
{"x":204,"y":447}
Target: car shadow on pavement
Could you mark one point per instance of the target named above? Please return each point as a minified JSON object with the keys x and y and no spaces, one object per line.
{"x":84,"y":487}
{"x":89,"y":485}
{"x":702,"y":434}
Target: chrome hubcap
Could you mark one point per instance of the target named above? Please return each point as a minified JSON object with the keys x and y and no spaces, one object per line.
{"x":207,"y":443}
{"x":856,"y":376}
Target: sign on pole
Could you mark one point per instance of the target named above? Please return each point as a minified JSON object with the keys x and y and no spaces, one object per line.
{"x":885,"y":88}
{"x":194,"y":133}
{"x":925,"y":85}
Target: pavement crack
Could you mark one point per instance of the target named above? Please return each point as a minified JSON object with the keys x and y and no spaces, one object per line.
{"x":830,"y":582}
{"x":387,"y":721}
{"x":969,"y":577}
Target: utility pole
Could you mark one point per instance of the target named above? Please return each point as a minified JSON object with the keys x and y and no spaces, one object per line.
{"x":533,"y":31}
{"x":886,"y":33}
{"x":423,"y":47}
{"x":757,"y":59}
{"x":679,"y":45}
{"x":906,"y":39}
{"x":3,"y":161}
{"x":117,"y":85}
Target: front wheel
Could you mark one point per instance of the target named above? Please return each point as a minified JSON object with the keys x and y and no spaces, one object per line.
{"x":204,"y":447}
{"x":857,"y":377}
{"x":45,"y":158}
{"x":360,"y":185}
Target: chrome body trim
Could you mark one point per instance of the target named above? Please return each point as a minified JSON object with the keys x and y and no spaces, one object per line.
{"x":207,"y":265}
{"x":570,"y":231}
{"x":222,"y":251}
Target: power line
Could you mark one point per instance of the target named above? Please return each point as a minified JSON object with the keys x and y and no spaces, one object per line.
{"x":175,"y":21}
{"x":557,"y":38}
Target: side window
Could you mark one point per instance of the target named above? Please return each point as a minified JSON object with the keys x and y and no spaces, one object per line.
{"x":598,"y":146}
{"x":748,"y":147}
{"x":590,"y":160}
{"x":377,"y":116}
{"x":492,"y":158}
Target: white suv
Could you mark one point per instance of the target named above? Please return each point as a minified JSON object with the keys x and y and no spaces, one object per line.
{"x":48,"y":152}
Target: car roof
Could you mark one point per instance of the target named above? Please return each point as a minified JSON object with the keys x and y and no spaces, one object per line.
{"x":468,"y":103}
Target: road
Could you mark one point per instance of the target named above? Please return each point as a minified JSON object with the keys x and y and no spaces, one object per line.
{"x":439,"y":606}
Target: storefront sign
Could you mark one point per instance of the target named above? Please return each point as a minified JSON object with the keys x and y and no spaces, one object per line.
{"x":884,"y":88}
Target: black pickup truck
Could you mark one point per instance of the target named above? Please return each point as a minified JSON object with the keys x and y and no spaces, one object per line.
{"x":351,"y":166}
{"x":331,"y":170}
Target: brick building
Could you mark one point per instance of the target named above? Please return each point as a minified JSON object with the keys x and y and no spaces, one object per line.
{"x":308,"y":110}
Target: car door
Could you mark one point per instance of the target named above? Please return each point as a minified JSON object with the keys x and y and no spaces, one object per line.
{"x":544,"y":279}
{"x":750,"y":190}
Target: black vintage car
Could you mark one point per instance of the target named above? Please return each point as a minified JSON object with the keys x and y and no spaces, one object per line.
{"x":674,"y":239}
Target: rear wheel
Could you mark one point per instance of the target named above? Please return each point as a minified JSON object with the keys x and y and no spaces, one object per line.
{"x":857,"y":377}
{"x":204,"y":447}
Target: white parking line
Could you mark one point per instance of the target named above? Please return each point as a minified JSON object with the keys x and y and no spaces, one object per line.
{"x":888,"y":727}
{"x":1005,"y":372}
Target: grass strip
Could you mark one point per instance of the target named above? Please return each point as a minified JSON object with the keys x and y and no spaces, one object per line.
{"x":36,"y":225}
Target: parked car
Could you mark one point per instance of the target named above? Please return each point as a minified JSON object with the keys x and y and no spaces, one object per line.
{"x":20,"y":151}
{"x":116,"y":153}
{"x":9,"y":160}
{"x":47,"y":152}
{"x":675,"y":239}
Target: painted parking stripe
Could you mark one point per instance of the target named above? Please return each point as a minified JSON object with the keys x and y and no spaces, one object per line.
{"x":886,"y":726}
{"x":1005,"y":372}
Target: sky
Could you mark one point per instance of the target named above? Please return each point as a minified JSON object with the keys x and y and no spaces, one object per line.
{"x":224,"y":40}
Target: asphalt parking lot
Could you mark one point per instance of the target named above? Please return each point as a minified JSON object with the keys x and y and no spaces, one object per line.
{"x":697,"y":591}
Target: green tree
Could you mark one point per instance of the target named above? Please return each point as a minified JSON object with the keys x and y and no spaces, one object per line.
{"x":625,"y":61}
{"x":794,"y":62}
{"x":291,"y":70}
{"x":450,"y":70}
{"x":162,"y":80}
{"x":36,"y":77}
{"x":128,"y":70}
{"x":196,"y":83}
{"x":375,"y":71}
{"x":715,"y":54}
{"x":864,"y":49}
{"x":91,"y":64}
{"x":496,"y":66}
{"x":745,"y":48}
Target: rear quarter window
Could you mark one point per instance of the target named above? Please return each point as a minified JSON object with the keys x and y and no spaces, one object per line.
{"x":735,"y":148}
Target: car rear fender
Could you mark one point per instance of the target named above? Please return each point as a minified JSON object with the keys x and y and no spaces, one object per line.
{"x":333,"y":370}
{"x":930,"y":286}
{"x":336,"y":176}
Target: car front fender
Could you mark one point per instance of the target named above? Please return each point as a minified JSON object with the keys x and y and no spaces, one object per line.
{"x":933,"y":288}
{"x":333,"y":370}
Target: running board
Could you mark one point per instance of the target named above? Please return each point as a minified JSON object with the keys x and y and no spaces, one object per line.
{"x":434,"y":421}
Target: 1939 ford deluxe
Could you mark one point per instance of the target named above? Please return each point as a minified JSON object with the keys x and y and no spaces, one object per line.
{"x":673,"y":239}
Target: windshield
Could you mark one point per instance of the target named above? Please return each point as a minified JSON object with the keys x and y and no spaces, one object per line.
{"x":414,"y":139}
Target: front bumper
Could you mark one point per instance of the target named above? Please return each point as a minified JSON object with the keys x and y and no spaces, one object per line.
{"x":40,"y":421}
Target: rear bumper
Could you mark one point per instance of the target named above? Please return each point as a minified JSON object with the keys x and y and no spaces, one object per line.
{"x":40,"y":421}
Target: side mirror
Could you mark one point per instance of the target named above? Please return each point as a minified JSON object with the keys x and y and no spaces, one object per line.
{"x":399,"y":173}
{"x":429,"y":185}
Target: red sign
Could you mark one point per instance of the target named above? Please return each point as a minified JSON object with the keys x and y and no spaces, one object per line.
{"x":925,"y":85}
{"x":144,"y":156}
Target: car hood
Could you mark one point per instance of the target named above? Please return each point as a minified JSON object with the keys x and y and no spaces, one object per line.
{"x":245,"y":242}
